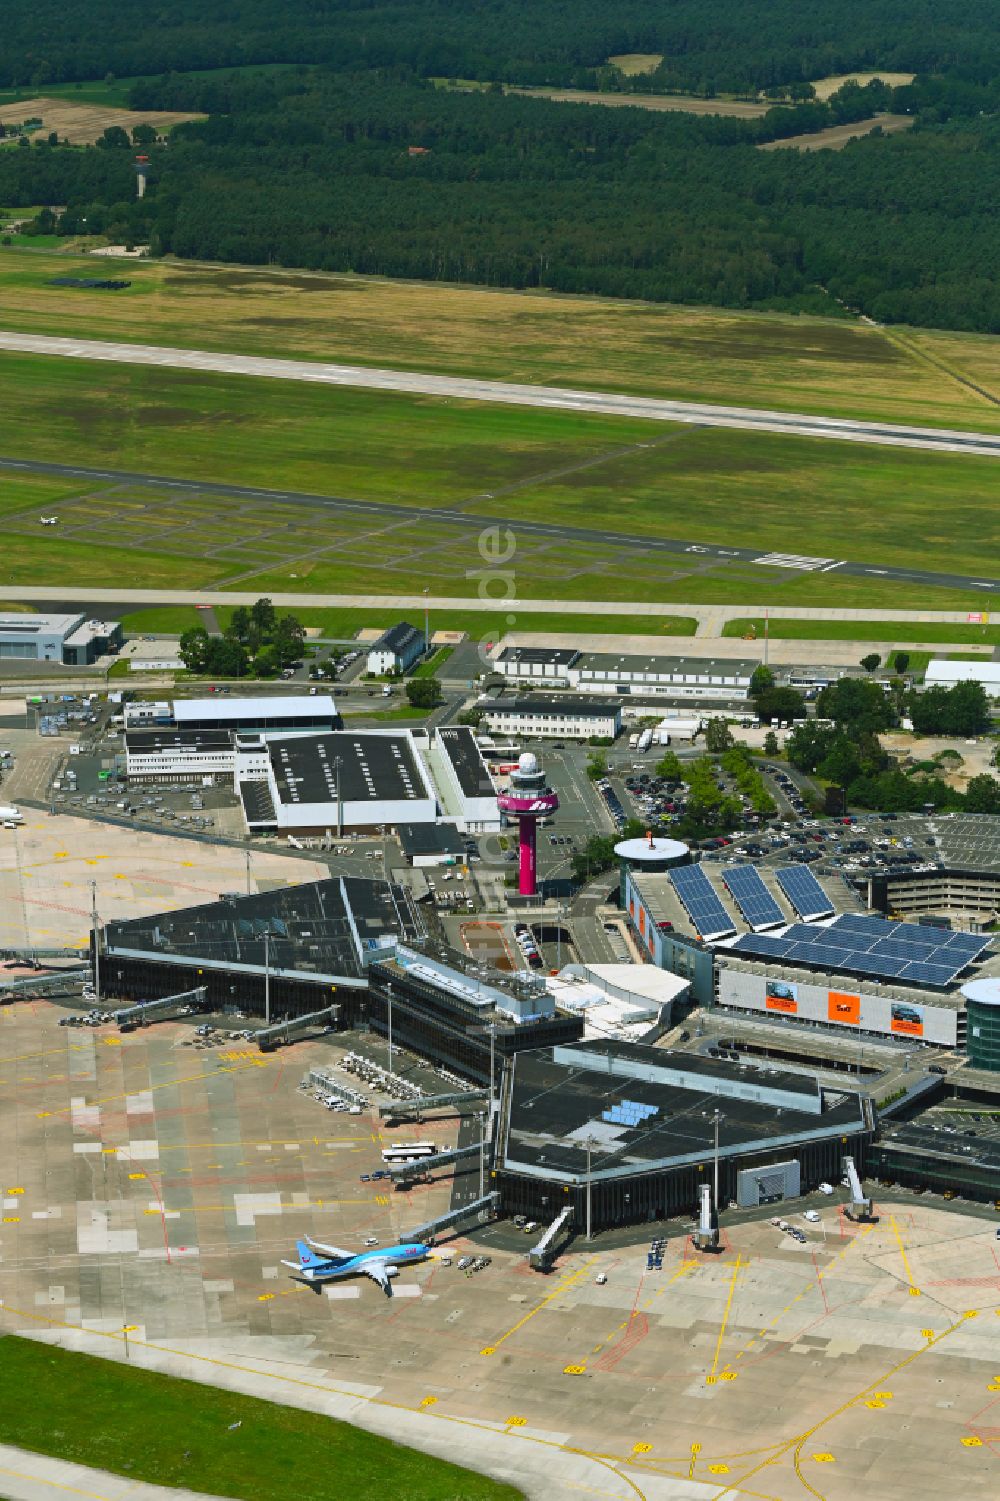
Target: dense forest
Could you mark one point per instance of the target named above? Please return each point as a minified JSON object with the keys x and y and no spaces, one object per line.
{"x":730,"y":45}
{"x":363,"y":164}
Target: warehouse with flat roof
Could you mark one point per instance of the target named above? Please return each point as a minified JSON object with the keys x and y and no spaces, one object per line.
{"x":73,"y":640}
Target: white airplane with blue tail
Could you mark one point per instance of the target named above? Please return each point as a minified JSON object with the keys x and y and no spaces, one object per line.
{"x":318,"y":1263}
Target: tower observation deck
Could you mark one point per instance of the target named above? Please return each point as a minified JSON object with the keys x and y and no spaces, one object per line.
{"x":527,"y":800}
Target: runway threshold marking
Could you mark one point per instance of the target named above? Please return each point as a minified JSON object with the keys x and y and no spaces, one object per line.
{"x":569,"y":1281}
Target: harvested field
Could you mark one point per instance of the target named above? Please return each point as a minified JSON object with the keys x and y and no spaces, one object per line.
{"x":83,"y":124}
{"x":837,"y":136}
{"x":826,"y":86}
{"x":631,"y":63}
{"x":740,"y":109}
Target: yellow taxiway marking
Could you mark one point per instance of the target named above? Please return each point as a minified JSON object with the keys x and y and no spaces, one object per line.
{"x":712,"y":1375}
{"x":110,"y":1099}
{"x":562,"y":1287}
{"x":902,"y":1251}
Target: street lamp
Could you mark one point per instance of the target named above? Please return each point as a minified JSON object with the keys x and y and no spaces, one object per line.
{"x":590,"y":1144}
{"x":95,"y":925}
{"x":716,"y":1118}
{"x":267,"y":979}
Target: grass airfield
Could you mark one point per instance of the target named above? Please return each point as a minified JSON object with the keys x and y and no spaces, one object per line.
{"x":153,"y":1185}
{"x":834,"y":366}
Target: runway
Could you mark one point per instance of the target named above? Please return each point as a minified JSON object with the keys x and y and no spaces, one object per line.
{"x":448,"y":387}
{"x":782,"y":562}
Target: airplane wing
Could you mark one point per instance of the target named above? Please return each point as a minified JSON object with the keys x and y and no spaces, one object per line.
{"x":336,"y":1252}
{"x":378,"y":1271}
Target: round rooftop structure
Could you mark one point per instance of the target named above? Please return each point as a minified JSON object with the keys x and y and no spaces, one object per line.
{"x":983,"y":1022}
{"x":983,"y":992}
{"x":650,"y":853}
{"x":527,"y":763}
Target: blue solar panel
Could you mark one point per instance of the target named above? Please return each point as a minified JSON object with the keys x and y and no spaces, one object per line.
{"x":752,"y":896}
{"x":871,"y":946}
{"x":804,"y":891}
{"x":710,"y":918}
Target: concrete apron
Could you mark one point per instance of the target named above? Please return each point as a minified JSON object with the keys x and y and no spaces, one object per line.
{"x":529,"y":1459}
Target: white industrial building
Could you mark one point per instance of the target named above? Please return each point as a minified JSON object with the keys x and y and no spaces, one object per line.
{"x":260,"y":714}
{"x":627,"y":673}
{"x":944,"y":674}
{"x":561,"y":716}
{"x":365,"y":780}
{"x":621,"y":1001}
{"x":73,"y":639}
{"x":168,"y":755}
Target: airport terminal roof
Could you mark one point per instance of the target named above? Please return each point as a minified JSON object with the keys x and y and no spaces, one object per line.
{"x":640,"y":1118}
{"x":319,"y":929}
{"x":374,"y":767}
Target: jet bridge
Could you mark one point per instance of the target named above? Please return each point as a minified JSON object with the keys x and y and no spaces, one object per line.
{"x":401,"y":1172}
{"x":416,"y":1109}
{"x":286,"y":1031}
{"x":160,"y":1010}
{"x":860,"y":1207}
{"x":540,"y":1256}
{"x":482,"y":1208}
{"x":11,"y":990}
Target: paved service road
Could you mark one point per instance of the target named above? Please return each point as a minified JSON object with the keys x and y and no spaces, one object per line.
{"x":782,"y":562}
{"x":597,"y":403}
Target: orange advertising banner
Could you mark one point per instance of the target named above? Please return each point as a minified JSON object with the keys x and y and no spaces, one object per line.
{"x":843,"y":1008}
{"x":907,"y":1021}
{"x":781,"y":1003}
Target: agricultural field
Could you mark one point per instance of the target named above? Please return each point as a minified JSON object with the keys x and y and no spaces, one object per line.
{"x":835,"y":137}
{"x":81,"y":123}
{"x":825,"y":87}
{"x":828,"y":366}
{"x":413,"y":483}
{"x":738,"y":109}
{"x":632,"y":63}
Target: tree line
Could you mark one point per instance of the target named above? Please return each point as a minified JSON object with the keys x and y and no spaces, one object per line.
{"x":737,"y":46}
{"x":314,"y":168}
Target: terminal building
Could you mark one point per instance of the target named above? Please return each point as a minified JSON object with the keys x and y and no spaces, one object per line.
{"x":71,"y":640}
{"x":695,"y":678}
{"x":776,"y":941}
{"x":635,"y":1126}
{"x":561,"y":716}
{"x":262,"y":714}
{"x":301,"y":946}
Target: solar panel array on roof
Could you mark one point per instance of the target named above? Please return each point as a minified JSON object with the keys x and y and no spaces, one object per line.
{"x":873,"y":947}
{"x":804,"y":892}
{"x":700,"y":901}
{"x":752,"y":896}
{"x":629,"y":1113}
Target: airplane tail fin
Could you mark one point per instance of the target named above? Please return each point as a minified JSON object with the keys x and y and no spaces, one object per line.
{"x":307,"y":1257}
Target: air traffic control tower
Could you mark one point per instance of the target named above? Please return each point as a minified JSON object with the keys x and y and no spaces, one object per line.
{"x":527,"y":800}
